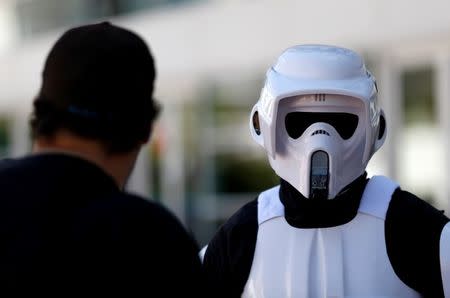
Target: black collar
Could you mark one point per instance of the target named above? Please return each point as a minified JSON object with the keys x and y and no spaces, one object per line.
{"x":302,"y":212}
{"x":71,"y":170}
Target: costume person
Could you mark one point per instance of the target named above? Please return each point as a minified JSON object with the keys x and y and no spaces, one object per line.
{"x":327,"y":230}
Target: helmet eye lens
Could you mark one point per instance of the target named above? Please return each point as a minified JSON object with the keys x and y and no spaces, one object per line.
{"x":297,"y":122}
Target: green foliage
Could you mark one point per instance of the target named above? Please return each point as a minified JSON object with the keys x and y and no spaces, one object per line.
{"x":418,"y":98}
{"x":5,"y":137}
{"x":4,"y":133}
{"x":243,"y":174}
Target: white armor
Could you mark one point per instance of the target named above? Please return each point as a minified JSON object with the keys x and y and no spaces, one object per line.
{"x":343,"y":261}
{"x":444,"y":249}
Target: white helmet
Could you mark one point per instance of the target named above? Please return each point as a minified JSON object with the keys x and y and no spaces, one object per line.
{"x":318,"y":118}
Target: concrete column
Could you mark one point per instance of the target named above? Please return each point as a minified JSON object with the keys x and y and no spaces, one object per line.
{"x":172,"y":163}
{"x":139,"y":182}
{"x":9,"y":31}
{"x":20,"y":136}
{"x":207,"y":201}
{"x":390,"y":96}
{"x":442,"y":92}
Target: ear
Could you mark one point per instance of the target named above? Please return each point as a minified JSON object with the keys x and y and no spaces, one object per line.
{"x":255,"y":126}
{"x":381,"y":137}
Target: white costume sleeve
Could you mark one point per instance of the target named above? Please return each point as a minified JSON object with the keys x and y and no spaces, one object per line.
{"x":202,"y":252}
{"x":444,"y":248}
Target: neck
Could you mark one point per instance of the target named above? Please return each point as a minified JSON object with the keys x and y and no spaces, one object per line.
{"x":302,"y":212}
{"x":118,"y":166}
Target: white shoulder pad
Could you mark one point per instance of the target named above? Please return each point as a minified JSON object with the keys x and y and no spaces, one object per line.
{"x":269,"y":205}
{"x":377,"y":196}
{"x":202,"y":252}
{"x":444,"y":251}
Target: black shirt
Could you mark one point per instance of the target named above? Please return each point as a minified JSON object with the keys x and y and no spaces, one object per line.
{"x":67,"y":230}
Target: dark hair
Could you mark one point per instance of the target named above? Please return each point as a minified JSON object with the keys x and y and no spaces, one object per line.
{"x":97,"y":83}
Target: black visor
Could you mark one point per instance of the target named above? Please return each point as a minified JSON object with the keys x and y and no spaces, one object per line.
{"x":297,"y":122}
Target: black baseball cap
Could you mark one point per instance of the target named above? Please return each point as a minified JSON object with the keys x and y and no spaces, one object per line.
{"x":100,"y":73}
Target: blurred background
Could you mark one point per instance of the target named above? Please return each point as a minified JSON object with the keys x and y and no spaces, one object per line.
{"x":211,"y":58}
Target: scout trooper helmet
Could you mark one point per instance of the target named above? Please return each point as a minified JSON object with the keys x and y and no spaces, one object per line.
{"x":318,"y":118}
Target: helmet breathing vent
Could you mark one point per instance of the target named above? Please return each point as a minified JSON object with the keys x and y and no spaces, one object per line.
{"x":320,"y":132}
{"x":319,"y":97}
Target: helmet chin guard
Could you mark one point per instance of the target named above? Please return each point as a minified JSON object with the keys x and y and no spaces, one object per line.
{"x":318,"y":118}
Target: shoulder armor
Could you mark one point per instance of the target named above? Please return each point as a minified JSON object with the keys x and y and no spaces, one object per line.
{"x":269,"y":205}
{"x":444,"y":251}
{"x":377,"y":196}
{"x":202,"y":252}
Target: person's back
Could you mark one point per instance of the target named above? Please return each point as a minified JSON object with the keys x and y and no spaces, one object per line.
{"x":67,"y":229}
{"x":66,"y":226}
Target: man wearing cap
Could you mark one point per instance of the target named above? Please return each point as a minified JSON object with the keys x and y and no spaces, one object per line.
{"x":67,"y":228}
{"x":327,"y":230}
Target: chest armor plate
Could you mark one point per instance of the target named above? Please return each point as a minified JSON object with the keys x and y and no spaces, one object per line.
{"x":343,"y":261}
